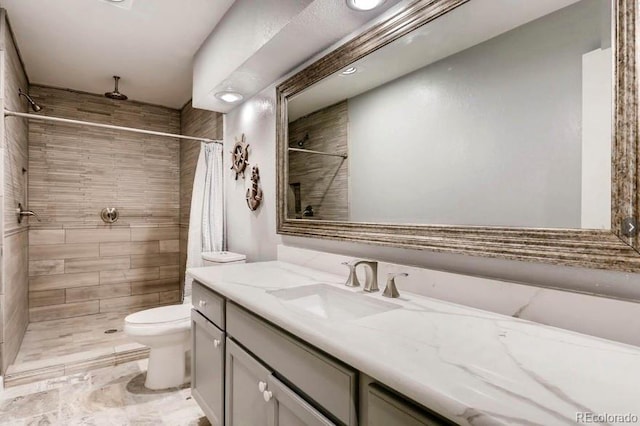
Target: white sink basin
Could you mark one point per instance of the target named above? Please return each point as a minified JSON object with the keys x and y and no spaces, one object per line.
{"x":331,"y":303}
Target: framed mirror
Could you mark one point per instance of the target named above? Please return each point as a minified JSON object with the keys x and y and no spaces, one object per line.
{"x":503,"y":129}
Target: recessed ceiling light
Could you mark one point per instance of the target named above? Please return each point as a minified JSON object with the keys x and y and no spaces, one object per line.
{"x":349,"y":71}
{"x":364,"y":5}
{"x":229,"y":96}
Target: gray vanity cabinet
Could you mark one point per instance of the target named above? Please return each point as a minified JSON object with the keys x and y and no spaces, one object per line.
{"x":207,"y":367}
{"x":246,"y":381}
{"x":384,"y":408}
{"x":288,"y":409}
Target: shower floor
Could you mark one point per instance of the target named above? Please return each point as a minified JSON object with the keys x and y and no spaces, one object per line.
{"x":61,"y":347}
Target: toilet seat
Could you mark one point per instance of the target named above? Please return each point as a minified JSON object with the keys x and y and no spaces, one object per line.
{"x":158,"y":321}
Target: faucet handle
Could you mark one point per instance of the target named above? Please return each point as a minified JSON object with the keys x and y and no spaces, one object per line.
{"x":352,"y":280}
{"x":391,"y":289}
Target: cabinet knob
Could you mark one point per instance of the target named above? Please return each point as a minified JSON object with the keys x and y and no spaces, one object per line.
{"x":202,"y":303}
{"x":216,"y":343}
{"x":267,"y":395}
{"x":262,"y":386}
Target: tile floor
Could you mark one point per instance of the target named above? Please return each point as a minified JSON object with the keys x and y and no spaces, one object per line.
{"x":110,"y":396}
{"x":61,"y":347}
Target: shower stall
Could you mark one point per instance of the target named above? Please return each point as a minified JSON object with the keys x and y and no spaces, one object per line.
{"x":69,"y":279}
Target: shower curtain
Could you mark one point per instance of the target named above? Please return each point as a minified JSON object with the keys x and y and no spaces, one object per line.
{"x":206,"y":220}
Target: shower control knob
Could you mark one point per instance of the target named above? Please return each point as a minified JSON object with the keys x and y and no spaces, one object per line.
{"x":216,"y":343}
{"x":202,"y":303}
{"x":267,"y":395}
{"x":262,"y":386}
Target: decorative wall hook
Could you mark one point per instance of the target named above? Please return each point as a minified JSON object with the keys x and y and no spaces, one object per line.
{"x":240,"y":156}
{"x":254,"y":194}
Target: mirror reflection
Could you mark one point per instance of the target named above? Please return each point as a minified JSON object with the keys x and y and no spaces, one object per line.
{"x":495,"y":114}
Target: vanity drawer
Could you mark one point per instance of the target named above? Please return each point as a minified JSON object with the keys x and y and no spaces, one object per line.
{"x":330,"y":384}
{"x":209,"y":304}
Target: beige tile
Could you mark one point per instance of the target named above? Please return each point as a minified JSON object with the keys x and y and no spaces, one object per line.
{"x":172,"y":271}
{"x":151,"y":234}
{"x":122,"y":248}
{"x":67,"y":310}
{"x":62,"y":251}
{"x":46,"y":236}
{"x":46,"y":267}
{"x":163,"y":259}
{"x":96,"y":264}
{"x":97,"y":235}
{"x":48,"y":282}
{"x":170,"y":296}
{"x":46,"y":298}
{"x":31,"y":376}
{"x":155,"y":286}
{"x":121,"y":303}
{"x":106,"y":291}
{"x":139,"y":274}
{"x":133,"y":355}
{"x":169,"y":246}
{"x":91,"y":364}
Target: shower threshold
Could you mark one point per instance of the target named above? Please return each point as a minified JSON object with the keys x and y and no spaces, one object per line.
{"x":57,"y":348}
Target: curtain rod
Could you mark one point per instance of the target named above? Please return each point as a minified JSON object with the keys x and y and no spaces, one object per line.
{"x":311,"y":151}
{"x":8,"y":113}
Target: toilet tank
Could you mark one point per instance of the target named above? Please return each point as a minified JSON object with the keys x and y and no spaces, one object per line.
{"x":218,"y":258}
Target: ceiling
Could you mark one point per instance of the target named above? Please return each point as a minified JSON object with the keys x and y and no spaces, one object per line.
{"x":81,"y":44}
{"x":259,"y":42}
{"x":425,"y":45}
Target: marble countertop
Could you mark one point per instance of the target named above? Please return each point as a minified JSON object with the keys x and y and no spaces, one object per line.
{"x":471,"y":366}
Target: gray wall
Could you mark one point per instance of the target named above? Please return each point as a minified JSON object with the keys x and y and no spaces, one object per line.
{"x":488,"y":136}
{"x":254,"y":233}
{"x":14,"y":150}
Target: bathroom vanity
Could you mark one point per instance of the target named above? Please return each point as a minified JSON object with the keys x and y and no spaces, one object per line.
{"x":280,"y":344}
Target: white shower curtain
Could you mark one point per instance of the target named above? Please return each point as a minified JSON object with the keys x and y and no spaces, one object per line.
{"x":206,"y":221}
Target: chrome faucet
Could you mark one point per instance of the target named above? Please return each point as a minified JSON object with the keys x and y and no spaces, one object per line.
{"x":371,"y":278}
{"x":390,"y":290}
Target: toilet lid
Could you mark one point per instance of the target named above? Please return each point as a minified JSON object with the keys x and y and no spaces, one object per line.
{"x":222,"y":256}
{"x":161,"y":315}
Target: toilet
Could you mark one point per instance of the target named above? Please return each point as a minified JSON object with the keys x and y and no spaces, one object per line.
{"x":166,"y":331}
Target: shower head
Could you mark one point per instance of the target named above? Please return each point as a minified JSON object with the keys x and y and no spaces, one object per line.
{"x":116,"y":94}
{"x":34,"y":106}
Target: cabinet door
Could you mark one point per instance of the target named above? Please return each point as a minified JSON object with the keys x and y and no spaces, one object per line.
{"x":384,"y":409}
{"x":207,"y":367}
{"x":245,"y":381}
{"x":286,"y":408}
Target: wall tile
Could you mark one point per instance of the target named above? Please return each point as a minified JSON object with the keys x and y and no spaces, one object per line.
{"x":172,"y":271}
{"x":62,"y":251}
{"x":66,"y":310}
{"x":119,"y":249}
{"x":98,"y":292}
{"x":97,"y":235}
{"x":139,"y":274}
{"x":155,"y":286}
{"x":170,"y":246}
{"x":125,"y":303}
{"x":47,"y":282}
{"x":96,"y":264}
{"x":46,"y":298}
{"x":46,"y":236}
{"x":46,"y":267}
{"x":144,"y":261}
{"x":152,"y":234}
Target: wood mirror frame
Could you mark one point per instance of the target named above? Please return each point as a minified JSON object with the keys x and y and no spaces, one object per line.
{"x":599,"y":249}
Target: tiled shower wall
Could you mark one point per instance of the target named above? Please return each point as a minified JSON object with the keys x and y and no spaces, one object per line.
{"x":14,"y":151}
{"x":323,"y":180}
{"x":200,"y":123}
{"x":77,"y":264}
